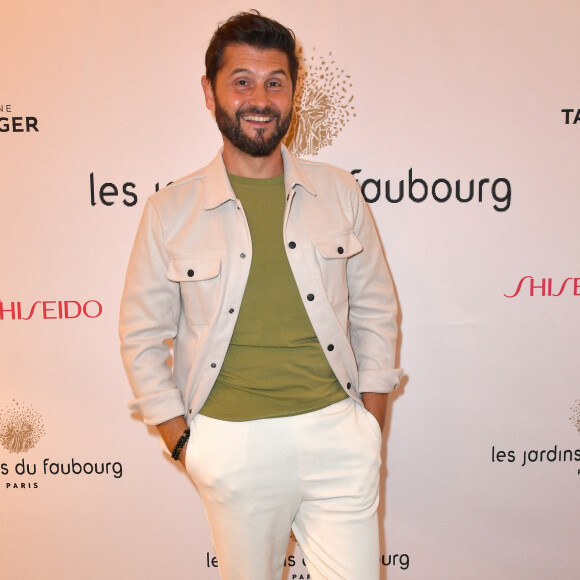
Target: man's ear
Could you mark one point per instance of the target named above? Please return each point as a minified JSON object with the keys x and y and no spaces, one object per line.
{"x":208,"y":92}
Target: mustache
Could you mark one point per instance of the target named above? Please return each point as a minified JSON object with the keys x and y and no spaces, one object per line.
{"x":265,"y":112}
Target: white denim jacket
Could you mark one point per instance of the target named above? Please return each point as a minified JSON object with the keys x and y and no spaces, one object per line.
{"x":189,"y":268}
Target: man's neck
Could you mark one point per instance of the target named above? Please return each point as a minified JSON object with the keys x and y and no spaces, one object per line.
{"x":239,"y":163}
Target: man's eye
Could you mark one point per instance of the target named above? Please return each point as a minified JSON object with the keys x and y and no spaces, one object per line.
{"x":242,"y":82}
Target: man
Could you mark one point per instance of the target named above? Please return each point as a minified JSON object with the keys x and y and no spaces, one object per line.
{"x":267,"y":273}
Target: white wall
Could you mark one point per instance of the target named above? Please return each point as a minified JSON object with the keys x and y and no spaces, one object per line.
{"x":453,"y":90}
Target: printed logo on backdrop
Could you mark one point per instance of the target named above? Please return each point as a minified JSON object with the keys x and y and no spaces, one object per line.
{"x":485,"y":190}
{"x":50,"y":309}
{"x":575,"y":415}
{"x":110,"y":194}
{"x":21,"y":429}
{"x":530,"y":286}
{"x":549,"y":455}
{"x":323,"y":105}
{"x":10,"y":123}
{"x":296,"y":564}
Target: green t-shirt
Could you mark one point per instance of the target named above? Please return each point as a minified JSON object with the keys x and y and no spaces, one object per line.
{"x":274,"y":366}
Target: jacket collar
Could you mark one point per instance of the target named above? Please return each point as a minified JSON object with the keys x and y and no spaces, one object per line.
{"x":218,"y":189}
{"x":293,"y":173}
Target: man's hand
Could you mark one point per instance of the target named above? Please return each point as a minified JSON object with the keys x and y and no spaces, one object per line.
{"x":376,"y":403}
{"x":171,"y":431}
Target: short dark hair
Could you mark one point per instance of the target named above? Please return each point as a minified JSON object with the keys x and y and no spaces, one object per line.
{"x":255,"y":30}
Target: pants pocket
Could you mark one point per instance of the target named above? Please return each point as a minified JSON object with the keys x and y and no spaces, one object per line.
{"x":374,"y":424}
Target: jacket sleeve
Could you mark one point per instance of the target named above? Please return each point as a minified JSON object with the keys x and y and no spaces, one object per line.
{"x":372,"y":307}
{"x":149,"y":315}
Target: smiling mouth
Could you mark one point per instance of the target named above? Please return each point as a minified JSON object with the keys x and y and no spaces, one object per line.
{"x":257,"y":118}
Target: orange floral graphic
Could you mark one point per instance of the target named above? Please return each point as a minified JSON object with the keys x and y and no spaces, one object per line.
{"x":21,"y":428}
{"x":323,"y":105}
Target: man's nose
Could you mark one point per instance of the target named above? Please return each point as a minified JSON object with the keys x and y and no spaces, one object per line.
{"x":259,"y":97}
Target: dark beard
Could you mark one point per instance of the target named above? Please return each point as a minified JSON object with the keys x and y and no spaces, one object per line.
{"x":231,"y":129}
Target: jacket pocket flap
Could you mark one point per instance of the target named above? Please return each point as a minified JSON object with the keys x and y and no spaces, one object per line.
{"x":340,"y":246}
{"x":193,"y":268}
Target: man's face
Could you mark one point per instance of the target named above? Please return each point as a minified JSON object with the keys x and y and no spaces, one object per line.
{"x":252,"y":98}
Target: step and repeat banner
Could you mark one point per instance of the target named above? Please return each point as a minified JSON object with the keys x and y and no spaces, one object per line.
{"x":461,"y":122}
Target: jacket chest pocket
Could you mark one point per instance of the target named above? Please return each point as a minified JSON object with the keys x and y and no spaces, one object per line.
{"x":332,"y":253}
{"x":199,"y":283}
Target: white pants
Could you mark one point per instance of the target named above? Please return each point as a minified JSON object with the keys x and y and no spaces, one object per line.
{"x":317,"y":473}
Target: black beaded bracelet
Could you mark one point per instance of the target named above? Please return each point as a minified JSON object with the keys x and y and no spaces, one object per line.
{"x":180,"y":444}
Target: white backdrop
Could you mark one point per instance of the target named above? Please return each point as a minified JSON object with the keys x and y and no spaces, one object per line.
{"x":482,"y":469}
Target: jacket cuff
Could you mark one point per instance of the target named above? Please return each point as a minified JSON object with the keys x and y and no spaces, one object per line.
{"x":379,"y":381}
{"x":160,"y":407}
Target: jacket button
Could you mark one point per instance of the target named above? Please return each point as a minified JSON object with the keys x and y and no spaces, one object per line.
{"x":213,"y":365}
{"x":348,"y":385}
{"x":231,"y":310}
{"x":292,"y":245}
{"x":330,"y":347}
{"x":310,"y":297}
{"x":190,"y":411}
{"x":340,"y":250}
{"x":190,"y":273}
{"x":242,"y":255}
